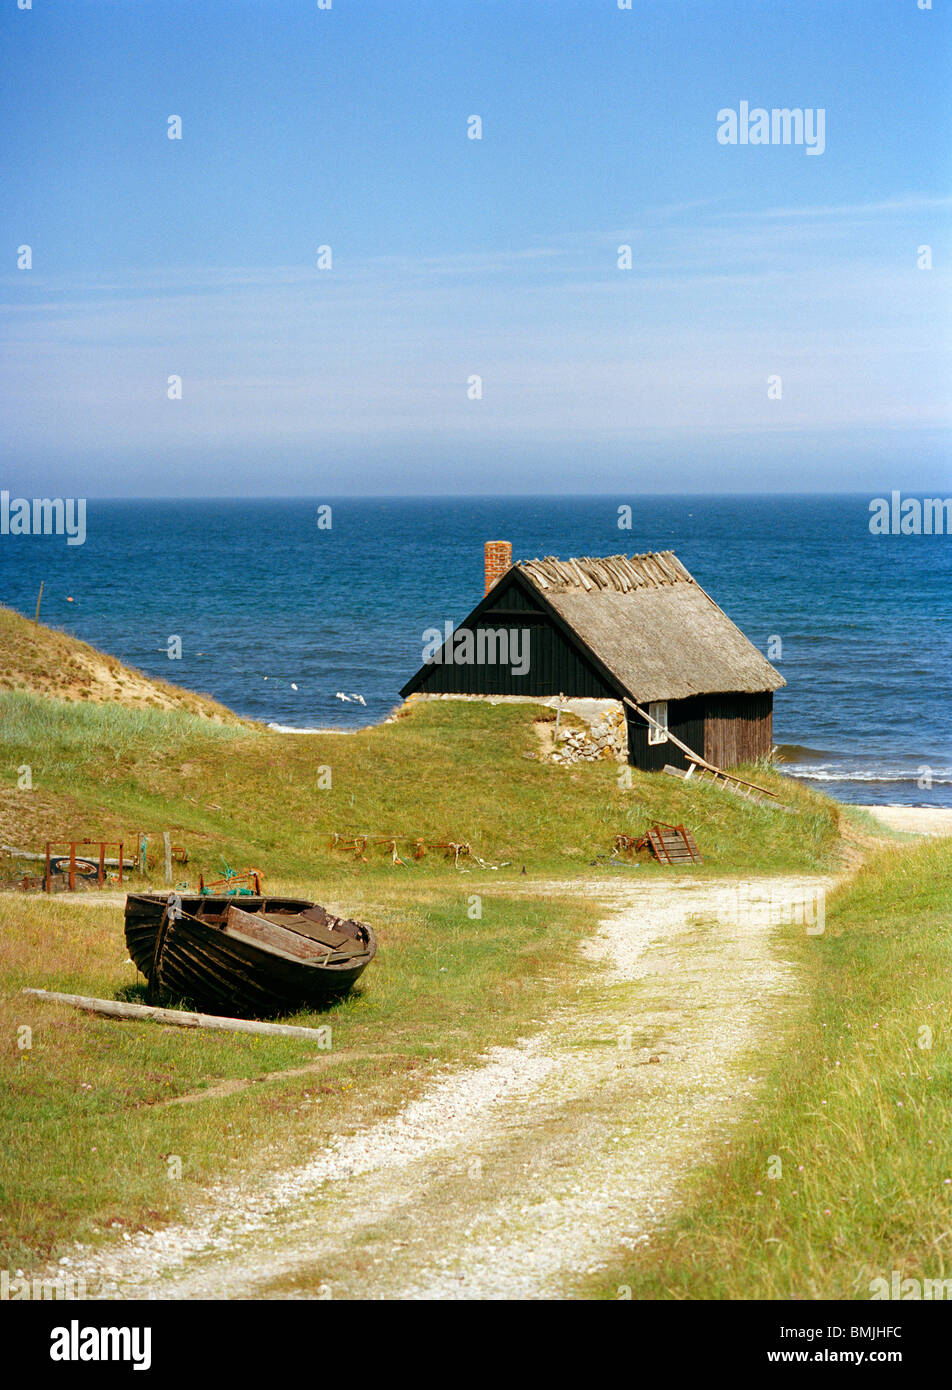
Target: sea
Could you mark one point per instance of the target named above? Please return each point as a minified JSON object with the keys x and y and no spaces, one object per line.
{"x":306,"y":618}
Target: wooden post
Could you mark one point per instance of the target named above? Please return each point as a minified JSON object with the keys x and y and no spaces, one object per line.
{"x":167,"y":842}
{"x":72,"y":866}
{"x":39,"y":599}
{"x":101,"y":876}
{"x":48,"y":866}
{"x":120,"y":861}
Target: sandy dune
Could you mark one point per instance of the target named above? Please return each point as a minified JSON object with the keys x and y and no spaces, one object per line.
{"x":915,"y":820}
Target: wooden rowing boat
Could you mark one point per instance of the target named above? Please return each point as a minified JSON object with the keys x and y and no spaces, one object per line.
{"x":248,"y":957}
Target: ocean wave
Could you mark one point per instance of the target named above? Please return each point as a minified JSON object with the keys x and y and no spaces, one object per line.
{"x":290,"y":729}
{"x":797,"y":753}
{"x":941,"y":778}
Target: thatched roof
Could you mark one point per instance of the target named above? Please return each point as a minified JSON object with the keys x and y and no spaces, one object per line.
{"x":652,"y":625}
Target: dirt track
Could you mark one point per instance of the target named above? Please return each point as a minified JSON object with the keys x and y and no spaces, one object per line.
{"x":520,"y":1174}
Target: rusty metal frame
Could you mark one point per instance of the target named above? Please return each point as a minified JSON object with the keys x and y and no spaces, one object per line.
{"x":250,"y":878}
{"x":100,"y":868}
{"x":358,"y":844}
{"x":653,"y":840}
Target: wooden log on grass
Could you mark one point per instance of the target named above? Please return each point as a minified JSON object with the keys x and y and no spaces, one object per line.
{"x":179,"y":1018}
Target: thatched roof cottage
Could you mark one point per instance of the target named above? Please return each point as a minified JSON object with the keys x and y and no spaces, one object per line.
{"x":620,"y":626}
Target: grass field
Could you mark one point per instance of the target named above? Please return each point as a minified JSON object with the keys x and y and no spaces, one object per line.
{"x":94,"y":1134}
{"x":842,"y":1172}
{"x":446,"y":770}
{"x":89,"y":1133}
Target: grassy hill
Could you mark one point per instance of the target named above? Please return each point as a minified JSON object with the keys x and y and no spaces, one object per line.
{"x":448,"y":771}
{"x":446,"y":984}
{"x":38,"y":659}
{"x":112,"y":752}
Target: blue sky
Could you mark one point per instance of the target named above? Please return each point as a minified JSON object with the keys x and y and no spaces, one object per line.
{"x":453,"y":257}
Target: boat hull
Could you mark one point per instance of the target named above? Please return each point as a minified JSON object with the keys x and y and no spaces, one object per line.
{"x":198,"y":957}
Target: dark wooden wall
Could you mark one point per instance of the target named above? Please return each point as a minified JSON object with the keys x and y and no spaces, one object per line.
{"x":738,"y":728}
{"x":555,"y":665}
{"x":724,"y":729}
{"x":685,"y":718}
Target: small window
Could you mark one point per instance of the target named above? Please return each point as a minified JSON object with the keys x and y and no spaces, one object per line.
{"x":658,"y":725}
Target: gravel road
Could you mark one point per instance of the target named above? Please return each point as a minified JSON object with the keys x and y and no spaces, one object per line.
{"x":524,"y":1172}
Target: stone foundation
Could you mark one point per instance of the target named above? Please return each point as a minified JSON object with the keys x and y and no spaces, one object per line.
{"x":605,"y":735}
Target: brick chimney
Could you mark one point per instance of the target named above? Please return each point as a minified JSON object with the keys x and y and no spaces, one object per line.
{"x":498,"y":561}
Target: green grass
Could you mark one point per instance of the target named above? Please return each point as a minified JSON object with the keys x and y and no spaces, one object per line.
{"x":87,"y":1136}
{"x":445,"y":770}
{"x":74,"y":737}
{"x":857,"y":1110}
